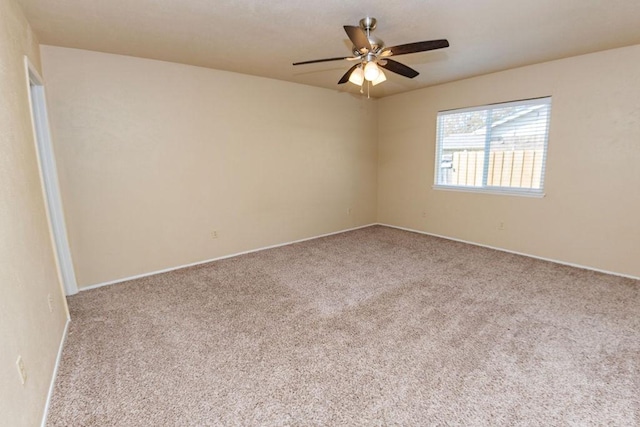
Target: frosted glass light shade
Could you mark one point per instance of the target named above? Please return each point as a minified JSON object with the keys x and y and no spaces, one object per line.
{"x":371,"y":71}
{"x":357,"y":77}
{"x":380,"y":79}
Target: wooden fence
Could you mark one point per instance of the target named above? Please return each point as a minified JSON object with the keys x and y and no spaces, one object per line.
{"x":517,"y":168}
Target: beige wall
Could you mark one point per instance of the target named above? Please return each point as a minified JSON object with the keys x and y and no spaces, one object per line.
{"x":27,"y":271}
{"x":153,"y":156}
{"x":591,"y":213}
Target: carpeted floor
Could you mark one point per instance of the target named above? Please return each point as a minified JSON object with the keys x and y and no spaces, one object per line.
{"x":371,"y":327}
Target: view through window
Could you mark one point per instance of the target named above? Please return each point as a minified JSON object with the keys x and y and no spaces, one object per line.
{"x":499,"y":147}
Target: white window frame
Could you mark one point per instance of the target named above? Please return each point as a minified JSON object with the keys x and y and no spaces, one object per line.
{"x":517,"y":191}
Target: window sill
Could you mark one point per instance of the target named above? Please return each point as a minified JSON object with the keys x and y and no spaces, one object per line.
{"x":502,"y":192}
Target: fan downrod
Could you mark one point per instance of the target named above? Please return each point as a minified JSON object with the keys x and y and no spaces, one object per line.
{"x":369,"y":24}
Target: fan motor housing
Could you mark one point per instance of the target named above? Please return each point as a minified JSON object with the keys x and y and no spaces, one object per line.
{"x":376,"y":46}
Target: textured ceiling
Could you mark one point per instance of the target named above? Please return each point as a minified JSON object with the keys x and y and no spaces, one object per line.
{"x":263,"y":38}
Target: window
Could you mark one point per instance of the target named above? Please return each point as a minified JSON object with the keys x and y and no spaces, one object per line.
{"x":494,"y":148}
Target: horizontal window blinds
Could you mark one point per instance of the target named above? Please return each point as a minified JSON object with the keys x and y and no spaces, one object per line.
{"x":494,"y":147}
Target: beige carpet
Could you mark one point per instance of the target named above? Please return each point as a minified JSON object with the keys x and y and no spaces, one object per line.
{"x":371,"y":327}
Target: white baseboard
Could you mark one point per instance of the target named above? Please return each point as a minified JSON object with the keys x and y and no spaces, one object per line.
{"x":55,"y":374}
{"x":166,"y":270}
{"x":584,"y":267}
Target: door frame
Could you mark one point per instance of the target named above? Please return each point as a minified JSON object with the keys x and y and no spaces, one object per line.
{"x":49,"y":179}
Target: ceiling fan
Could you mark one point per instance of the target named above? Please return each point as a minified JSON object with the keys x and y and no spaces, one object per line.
{"x":371,"y":54}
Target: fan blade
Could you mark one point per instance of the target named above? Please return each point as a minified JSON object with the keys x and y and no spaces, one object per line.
{"x":405,"y":49}
{"x":346,"y":76}
{"x":314,"y":61}
{"x":398,"y":68}
{"x":358,"y":37}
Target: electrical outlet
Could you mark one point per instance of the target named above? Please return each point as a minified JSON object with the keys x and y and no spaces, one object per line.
{"x":424,"y":214}
{"x":214,"y":234}
{"x":349,"y":211}
{"x":21,"y":370}
{"x":501,"y":225}
{"x":50,"y":302}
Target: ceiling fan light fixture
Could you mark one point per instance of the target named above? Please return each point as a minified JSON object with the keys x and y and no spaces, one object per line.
{"x":381,"y":78}
{"x":367,"y":50}
{"x":357,"y":76}
{"x":371,"y":71}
